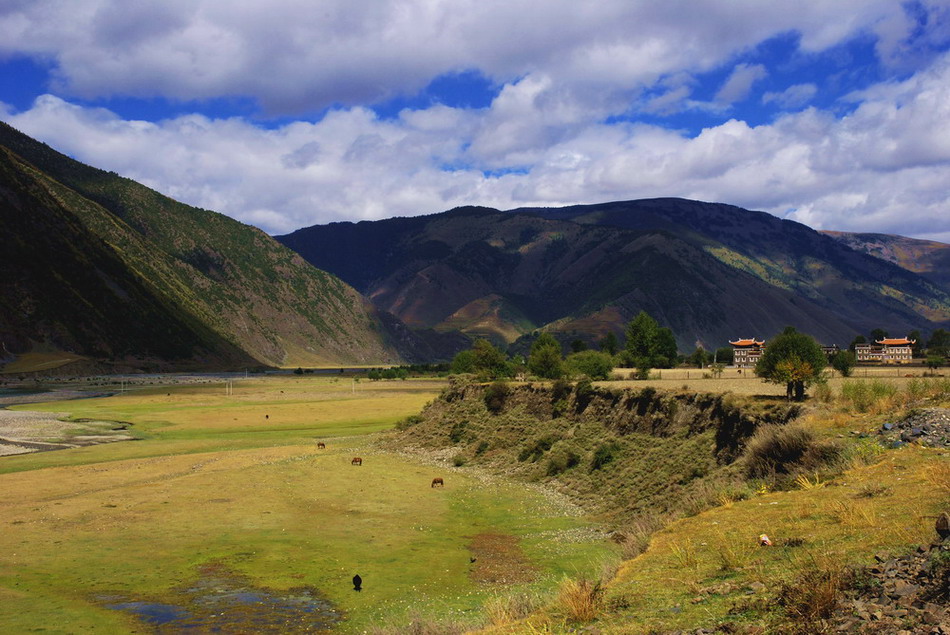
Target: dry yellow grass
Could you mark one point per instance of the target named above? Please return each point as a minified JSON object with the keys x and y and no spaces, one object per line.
{"x":839,"y":523}
{"x":748,"y":384}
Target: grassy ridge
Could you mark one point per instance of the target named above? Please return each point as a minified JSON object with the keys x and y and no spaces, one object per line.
{"x":228,"y":283}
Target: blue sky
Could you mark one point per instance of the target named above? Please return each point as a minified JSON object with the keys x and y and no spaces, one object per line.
{"x":835,"y":113}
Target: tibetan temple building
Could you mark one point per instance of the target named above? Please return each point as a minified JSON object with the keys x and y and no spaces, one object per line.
{"x":886,"y":351}
{"x":745,"y":353}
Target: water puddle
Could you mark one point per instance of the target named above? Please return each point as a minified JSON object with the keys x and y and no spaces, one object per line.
{"x":222,"y":601}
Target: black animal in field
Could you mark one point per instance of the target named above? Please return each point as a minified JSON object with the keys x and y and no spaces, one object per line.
{"x":357,"y":583}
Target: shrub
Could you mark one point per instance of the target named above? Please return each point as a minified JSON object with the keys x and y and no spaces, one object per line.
{"x":409,"y":421}
{"x":561,"y":461}
{"x":604,"y":454}
{"x":457,"y":433}
{"x":580,"y":600}
{"x":495,"y":395}
{"x":868,"y":396}
{"x":786,"y":450}
{"x":823,"y":393}
{"x":502,"y":610}
{"x":584,"y":392}
{"x":537,"y":449}
{"x":458,"y":460}
{"x":591,"y":363}
{"x":560,"y":389}
{"x":843,"y":362}
{"x":813,"y":597}
{"x":481,"y":448}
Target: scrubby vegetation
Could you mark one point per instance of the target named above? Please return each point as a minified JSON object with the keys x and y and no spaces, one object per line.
{"x":676,"y":451}
{"x":816,"y":479}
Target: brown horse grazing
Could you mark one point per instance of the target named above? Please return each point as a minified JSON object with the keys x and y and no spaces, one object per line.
{"x":438,"y":481}
{"x":321,"y":445}
{"x":356,"y":461}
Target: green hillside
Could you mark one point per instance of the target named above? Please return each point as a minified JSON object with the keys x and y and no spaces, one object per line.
{"x":150,"y":278}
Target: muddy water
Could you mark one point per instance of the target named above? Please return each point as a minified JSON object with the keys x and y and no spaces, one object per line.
{"x":221,"y":601}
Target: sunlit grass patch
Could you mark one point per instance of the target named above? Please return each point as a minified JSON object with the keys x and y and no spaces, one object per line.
{"x":836,"y":523}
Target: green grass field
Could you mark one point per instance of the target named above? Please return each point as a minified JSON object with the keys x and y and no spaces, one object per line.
{"x":236,"y":481}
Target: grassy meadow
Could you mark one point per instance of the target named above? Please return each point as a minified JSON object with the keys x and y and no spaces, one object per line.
{"x":236,"y":481}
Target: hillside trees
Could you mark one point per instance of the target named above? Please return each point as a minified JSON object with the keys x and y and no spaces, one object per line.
{"x":793,"y":359}
{"x":608,"y":343}
{"x":484,"y":360}
{"x":648,"y":343}
{"x":545,"y":358}
{"x":939,"y":343}
{"x":594,"y":364}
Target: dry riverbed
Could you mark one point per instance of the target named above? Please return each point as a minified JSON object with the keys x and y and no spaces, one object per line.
{"x":24,"y":431}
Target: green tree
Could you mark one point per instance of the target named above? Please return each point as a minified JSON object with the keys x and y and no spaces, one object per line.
{"x":700,"y":358}
{"x":649,"y":344}
{"x":934,"y":362}
{"x":608,"y":343}
{"x":917,"y":348}
{"x":545,"y":357}
{"x":578,"y":345}
{"x":724,"y":355}
{"x":490,"y":363}
{"x":463,"y":362}
{"x":594,"y":364}
{"x":665,"y":348}
{"x":843,"y":362}
{"x":878,"y":334}
{"x":793,"y":359}
{"x":939,"y":343}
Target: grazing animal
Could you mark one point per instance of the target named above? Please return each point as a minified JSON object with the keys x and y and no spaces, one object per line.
{"x":267,"y":416}
{"x":943,"y":525}
{"x":356,"y":461}
{"x":321,"y":445}
{"x":357,"y":583}
{"x":438,"y":481}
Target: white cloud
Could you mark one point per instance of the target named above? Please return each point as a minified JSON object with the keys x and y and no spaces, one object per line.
{"x":740,"y":81}
{"x":562,"y":73}
{"x":883,"y":167}
{"x":793,"y":97}
{"x":296,"y":55}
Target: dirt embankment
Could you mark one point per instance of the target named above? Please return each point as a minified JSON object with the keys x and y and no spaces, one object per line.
{"x":620,"y":453}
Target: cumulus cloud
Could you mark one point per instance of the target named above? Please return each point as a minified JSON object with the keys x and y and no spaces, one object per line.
{"x":793,"y":97}
{"x":295,"y":56}
{"x":737,"y":86}
{"x":883,"y":167}
{"x":557,"y":131}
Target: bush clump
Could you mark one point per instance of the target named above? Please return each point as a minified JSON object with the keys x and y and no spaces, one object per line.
{"x":457,"y":433}
{"x":788,"y":450}
{"x":495,"y":396}
{"x":537,"y":449}
{"x":562,"y":460}
{"x":409,"y":421}
{"x":604,"y":454}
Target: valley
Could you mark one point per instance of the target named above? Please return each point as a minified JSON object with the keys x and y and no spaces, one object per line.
{"x":224,"y":514}
{"x":232,"y":491}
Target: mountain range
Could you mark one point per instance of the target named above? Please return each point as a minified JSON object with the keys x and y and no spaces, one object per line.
{"x":709,"y":271}
{"x":100,"y":265}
